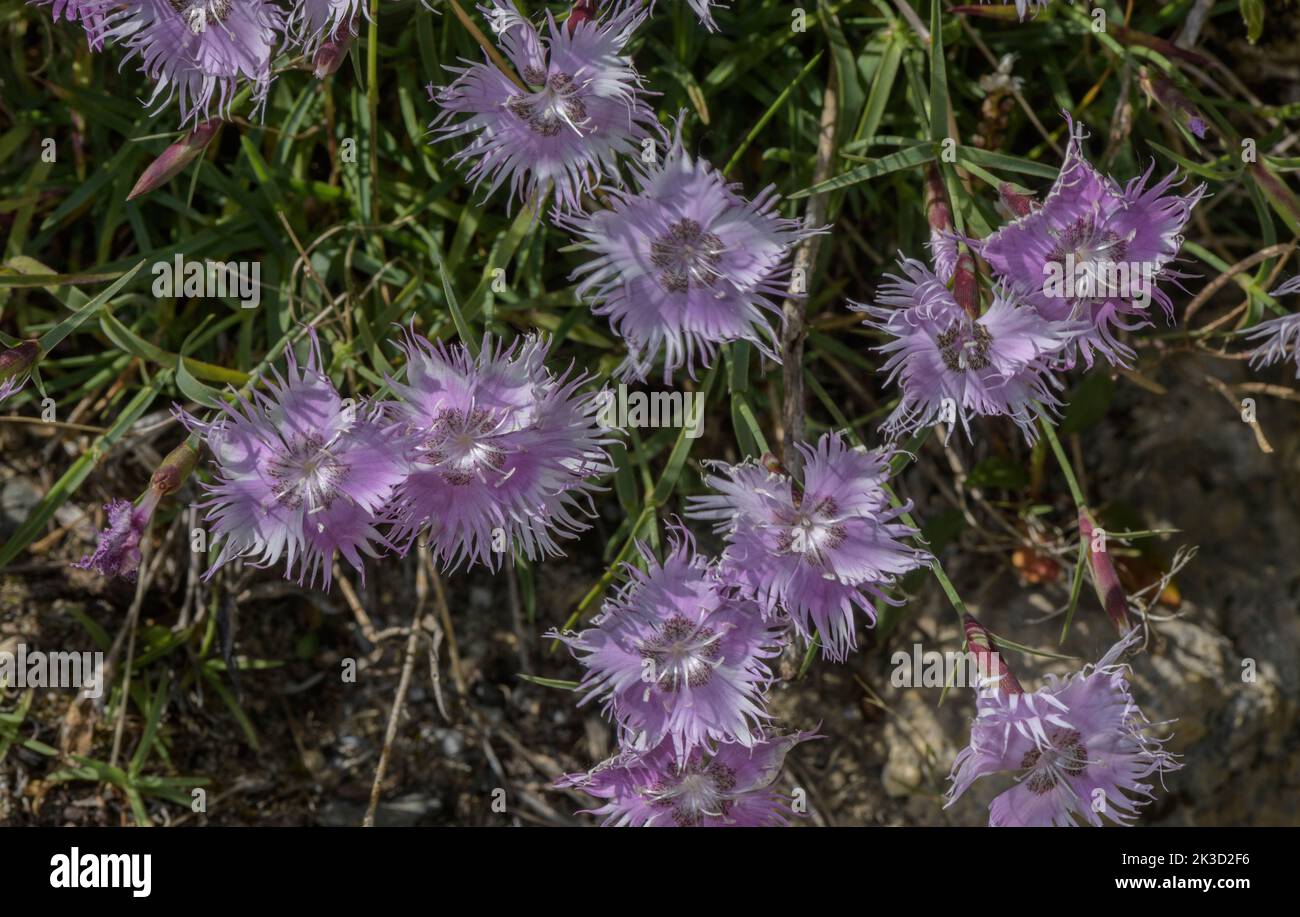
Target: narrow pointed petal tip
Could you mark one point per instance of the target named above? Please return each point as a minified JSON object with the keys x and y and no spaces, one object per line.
{"x":175,"y":158}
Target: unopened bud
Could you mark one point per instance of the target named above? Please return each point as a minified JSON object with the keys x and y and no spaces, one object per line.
{"x":937,"y":211}
{"x":15,"y":365}
{"x":175,"y":158}
{"x":1019,"y":204}
{"x":19,"y":359}
{"x":582,"y":11}
{"x":173,"y":471}
{"x":1165,"y":94}
{"x":979,"y":642}
{"x":330,"y":55}
{"x":1104,"y":577}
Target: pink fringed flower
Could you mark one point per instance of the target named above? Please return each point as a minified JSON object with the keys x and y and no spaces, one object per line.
{"x":1279,"y":338}
{"x":731,"y":787}
{"x":1095,"y":251}
{"x":117,"y":551}
{"x":200,"y":52}
{"x":951,"y":366}
{"x":581,"y":110}
{"x":502,"y":450}
{"x":301,"y":475}
{"x":685,"y":264}
{"x":815,"y":550}
{"x":675,"y":653}
{"x":1079,"y":749}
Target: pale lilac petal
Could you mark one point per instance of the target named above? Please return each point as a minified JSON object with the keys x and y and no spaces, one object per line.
{"x":818,"y":552}
{"x":685,"y":264}
{"x":503,"y":451}
{"x":582,"y":111}
{"x":676,"y":653}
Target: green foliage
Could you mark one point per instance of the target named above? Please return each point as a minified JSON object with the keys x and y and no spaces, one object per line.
{"x":360,"y":225}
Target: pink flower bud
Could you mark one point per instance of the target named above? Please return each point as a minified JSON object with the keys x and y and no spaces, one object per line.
{"x":979,"y":642}
{"x":1104,"y":577}
{"x":581,"y":12}
{"x":1019,"y":204}
{"x":330,"y":55}
{"x":15,"y":365}
{"x":175,"y":158}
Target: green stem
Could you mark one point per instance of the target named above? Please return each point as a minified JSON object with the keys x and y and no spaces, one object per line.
{"x":1066,"y":468}
{"x":1081,"y":504}
{"x":372,"y":103}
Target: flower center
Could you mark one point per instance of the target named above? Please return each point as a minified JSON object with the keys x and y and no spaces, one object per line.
{"x":686,"y":255}
{"x":461,"y":445}
{"x":1066,"y":755}
{"x":1087,"y":255}
{"x":547,"y":110}
{"x":199,"y":14}
{"x":682,"y":653}
{"x":965,"y":345}
{"x":699,"y":791}
{"x":811,"y":533}
{"x":306,"y":474}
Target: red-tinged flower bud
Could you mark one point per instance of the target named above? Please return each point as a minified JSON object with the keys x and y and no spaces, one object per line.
{"x":980,"y":643}
{"x":19,"y":359}
{"x":175,"y":158}
{"x":175,"y":468}
{"x":1019,"y":204}
{"x":15,"y":365}
{"x":1104,"y":577}
{"x":965,"y":286}
{"x":582,"y":11}
{"x":330,"y":55}
{"x":937,"y":211}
